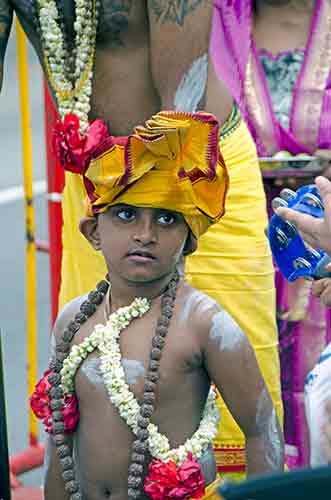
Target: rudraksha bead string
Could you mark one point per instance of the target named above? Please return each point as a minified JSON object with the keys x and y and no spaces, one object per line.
{"x":87,"y":309}
{"x":140,"y":445}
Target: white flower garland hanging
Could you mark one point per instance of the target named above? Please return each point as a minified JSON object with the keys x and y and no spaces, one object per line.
{"x":105,"y":338}
{"x":72,"y":97}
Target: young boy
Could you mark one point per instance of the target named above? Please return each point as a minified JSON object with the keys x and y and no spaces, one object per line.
{"x":142,"y":380}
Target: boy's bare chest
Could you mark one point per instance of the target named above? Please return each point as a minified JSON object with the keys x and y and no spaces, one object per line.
{"x":180,"y":360}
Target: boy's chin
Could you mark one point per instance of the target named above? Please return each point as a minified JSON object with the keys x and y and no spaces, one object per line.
{"x":146,"y":275}
{"x":143,"y":277}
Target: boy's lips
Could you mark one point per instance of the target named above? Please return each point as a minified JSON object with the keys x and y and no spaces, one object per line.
{"x":140,"y":256}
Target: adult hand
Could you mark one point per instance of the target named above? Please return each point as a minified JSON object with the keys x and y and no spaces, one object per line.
{"x":316,"y":232}
{"x":322,"y":289}
{"x":325,"y":156}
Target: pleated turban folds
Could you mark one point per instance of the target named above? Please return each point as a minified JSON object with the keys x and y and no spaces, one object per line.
{"x":172,"y":162}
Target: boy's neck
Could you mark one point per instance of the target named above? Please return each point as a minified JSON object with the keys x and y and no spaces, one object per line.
{"x":124,"y":292}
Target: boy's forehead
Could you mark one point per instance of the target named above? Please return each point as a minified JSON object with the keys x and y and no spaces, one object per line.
{"x":144,"y":208}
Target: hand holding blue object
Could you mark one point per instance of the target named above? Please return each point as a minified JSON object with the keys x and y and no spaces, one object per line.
{"x":293,"y":256}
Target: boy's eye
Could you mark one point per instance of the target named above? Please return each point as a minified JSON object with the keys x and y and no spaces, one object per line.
{"x":166,"y":219}
{"x":126,"y":214}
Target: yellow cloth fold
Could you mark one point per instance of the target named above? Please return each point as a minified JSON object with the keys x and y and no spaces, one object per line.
{"x":172,"y":162}
{"x":233,"y":265}
{"x":211,"y":492}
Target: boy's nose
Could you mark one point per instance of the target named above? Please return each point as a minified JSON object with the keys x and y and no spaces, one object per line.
{"x":146,"y":232}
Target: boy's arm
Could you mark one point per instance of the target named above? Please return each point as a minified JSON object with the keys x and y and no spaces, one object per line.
{"x":6,"y":18}
{"x":232,"y":366}
{"x":179,"y":40}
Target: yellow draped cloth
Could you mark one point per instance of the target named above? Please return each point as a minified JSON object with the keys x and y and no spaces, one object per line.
{"x":233,"y":265}
{"x":211,"y":491}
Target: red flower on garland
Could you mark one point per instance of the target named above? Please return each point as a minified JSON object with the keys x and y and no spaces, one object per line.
{"x":167,"y":481}
{"x":72,"y":149}
{"x":190,"y":475}
{"x":40,"y":405}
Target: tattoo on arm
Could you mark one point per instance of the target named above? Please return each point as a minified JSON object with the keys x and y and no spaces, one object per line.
{"x":114,"y":20}
{"x":173,"y":11}
{"x":6,"y":16}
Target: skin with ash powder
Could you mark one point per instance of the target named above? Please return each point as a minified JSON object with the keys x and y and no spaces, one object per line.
{"x":229,"y":338}
{"x":133,"y":370}
{"x":225,"y":332}
{"x":268,"y":426}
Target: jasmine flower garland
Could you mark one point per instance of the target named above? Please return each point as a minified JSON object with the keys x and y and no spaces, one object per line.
{"x":72,"y":94}
{"x":105,"y":338}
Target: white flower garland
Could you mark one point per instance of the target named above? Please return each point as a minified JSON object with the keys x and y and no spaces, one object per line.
{"x":106,"y":339}
{"x":71,"y":97}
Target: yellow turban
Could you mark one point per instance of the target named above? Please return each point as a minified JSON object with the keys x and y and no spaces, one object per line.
{"x":172,"y":162}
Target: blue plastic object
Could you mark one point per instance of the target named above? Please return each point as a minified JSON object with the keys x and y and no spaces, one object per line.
{"x":293,"y":257}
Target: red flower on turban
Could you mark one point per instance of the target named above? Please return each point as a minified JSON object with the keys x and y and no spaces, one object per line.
{"x":72,"y":149}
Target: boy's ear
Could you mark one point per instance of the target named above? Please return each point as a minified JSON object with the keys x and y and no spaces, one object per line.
{"x":190,"y":244}
{"x":88,"y":226}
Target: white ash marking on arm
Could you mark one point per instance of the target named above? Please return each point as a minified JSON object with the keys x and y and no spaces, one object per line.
{"x":225,"y":332}
{"x":267,"y":426}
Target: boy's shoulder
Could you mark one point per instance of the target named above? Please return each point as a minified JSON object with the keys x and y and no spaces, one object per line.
{"x":199,"y":308}
{"x":209,"y":320}
{"x":66,"y":314}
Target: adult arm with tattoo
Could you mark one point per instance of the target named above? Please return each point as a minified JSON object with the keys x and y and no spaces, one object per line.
{"x":6,"y":18}
{"x":179,"y":31}
{"x":232,"y":366}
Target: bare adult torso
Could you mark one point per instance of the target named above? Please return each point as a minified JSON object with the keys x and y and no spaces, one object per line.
{"x":123,"y":90}
{"x":103,"y":441}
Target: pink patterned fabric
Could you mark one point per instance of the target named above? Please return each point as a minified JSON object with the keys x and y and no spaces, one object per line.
{"x":236,"y":62}
{"x":232,"y":49}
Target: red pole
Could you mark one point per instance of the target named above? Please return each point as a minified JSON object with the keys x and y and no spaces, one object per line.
{"x":55,"y":178}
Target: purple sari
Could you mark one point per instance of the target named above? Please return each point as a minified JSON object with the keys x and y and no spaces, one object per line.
{"x":304,"y":325}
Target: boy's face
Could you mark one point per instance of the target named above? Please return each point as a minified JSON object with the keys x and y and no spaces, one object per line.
{"x":141,"y":244}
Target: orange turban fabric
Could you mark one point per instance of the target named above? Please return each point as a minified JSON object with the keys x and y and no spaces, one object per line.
{"x":172,"y":162}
